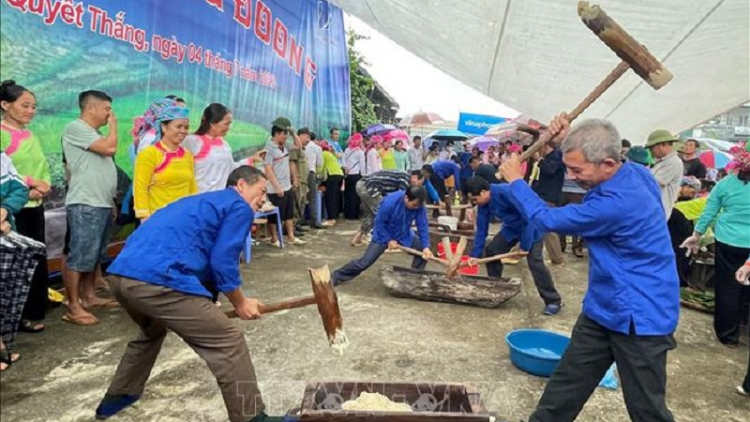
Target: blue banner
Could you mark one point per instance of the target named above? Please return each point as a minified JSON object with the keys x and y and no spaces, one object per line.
{"x":261,"y":58}
{"x":477,"y":124}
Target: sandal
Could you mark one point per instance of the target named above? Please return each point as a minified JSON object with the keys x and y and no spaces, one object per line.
{"x":28,"y":326}
{"x":104,"y":304}
{"x":7,"y":358}
{"x":83,"y":320}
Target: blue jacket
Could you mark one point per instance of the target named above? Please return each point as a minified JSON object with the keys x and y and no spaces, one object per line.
{"x":515,"y":226}
{"x":446,"y":169}
{"x":195,"y":240}
{"x":393,"y":222}
{"x":466,"y":171}
{"x":632,"y":273}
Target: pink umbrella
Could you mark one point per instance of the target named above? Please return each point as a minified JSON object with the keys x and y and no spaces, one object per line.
{"x":397,"y":134}
{"x":421,"y":119}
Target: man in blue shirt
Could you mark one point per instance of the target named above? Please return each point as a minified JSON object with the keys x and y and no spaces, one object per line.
{"x":495,"y":200}
{"x":164,"y":278}
{"x":373,"y":188}
{"x":393,"y":224}
{"x":438,"y":171}
{"x":631,"y":308}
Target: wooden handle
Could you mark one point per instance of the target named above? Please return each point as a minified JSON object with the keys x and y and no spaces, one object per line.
{"x":281,"y":306}
{"x":418,"y":253}
{"x":613,"y":76}
{"x":501,"y":256}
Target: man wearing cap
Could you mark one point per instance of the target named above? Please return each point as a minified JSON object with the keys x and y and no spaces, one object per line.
{"x":667,"y":167}
{"x":279,"y":177}
{"x":693,"y":165}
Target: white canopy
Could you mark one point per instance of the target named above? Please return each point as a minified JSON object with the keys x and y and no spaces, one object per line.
{"x":537,"y":57}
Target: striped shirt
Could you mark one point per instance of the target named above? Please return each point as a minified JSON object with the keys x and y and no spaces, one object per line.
{"x":385,"y":182}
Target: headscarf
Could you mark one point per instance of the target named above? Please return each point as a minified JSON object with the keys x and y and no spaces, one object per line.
{"x":167,"y":114}
{"x":148,"y":121}
{"x":741,"y":161}
{"x":515,"y":148}
{"x":376,"y":141}
{"x":355,"y":141}
{"x":325,"y":146}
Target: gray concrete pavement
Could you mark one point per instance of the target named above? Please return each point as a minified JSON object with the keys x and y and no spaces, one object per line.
{"x":65,"y":370}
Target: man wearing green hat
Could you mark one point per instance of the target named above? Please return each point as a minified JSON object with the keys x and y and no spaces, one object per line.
{"x":667,"y":169}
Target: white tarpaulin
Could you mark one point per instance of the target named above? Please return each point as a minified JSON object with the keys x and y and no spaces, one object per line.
{"x":537,"y":57}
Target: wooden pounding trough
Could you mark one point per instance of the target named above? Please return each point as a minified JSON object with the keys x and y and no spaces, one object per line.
{"x":433,"y":286}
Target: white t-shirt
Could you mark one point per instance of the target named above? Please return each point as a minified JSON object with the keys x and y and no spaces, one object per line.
{"x":213,"y":161}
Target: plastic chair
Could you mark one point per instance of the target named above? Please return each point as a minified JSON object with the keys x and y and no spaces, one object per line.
{"x":262,"y":214}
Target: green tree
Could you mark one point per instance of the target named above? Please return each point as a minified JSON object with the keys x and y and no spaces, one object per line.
{"x":363,"y":109}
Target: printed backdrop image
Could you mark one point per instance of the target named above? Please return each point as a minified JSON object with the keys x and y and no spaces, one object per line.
{"x":262,"y":59}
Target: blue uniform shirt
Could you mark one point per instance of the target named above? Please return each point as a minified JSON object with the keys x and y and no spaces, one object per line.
{"x":446,"y":169}
{"x":515,"y":226}
{"x":393,"y":222}
{"x":632,"y":273}
{"x":196,"y":239}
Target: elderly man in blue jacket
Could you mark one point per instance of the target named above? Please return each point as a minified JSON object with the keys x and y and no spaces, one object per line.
{"x":165,"y":278}
{"x":632,"y":305}
{"x":396,"y":214}
{"x":495,"y":200}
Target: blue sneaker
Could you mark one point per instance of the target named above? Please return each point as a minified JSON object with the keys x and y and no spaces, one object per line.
{"x":552,"y":309}
{"x":112,"y":404}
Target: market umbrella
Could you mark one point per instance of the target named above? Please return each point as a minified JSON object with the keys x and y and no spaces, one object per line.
{"x":377,"y":129}
{"x":483,"y":142}
{"x":397,"y":134}
{"x":448,"y":135}
{"x":715,"y":159}
{"x":421,"y":119}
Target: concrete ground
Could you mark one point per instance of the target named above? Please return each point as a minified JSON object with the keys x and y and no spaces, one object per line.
{"x":66,"y":370}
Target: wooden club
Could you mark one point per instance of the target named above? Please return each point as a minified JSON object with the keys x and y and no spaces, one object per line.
{"x":634,"y":56}
{"x":324,"y":295}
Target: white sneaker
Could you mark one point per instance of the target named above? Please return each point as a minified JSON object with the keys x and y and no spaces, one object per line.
{"x":741,"y":391}
{"x":297,"y":241}
{"x":276,"y":244}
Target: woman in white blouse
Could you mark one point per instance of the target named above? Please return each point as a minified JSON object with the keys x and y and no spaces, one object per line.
{"x":213,"y":155}
{"x":354,"y":166}
{"x":373,"y":156}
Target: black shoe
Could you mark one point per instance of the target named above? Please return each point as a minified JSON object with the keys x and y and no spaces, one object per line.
{"x":304,"y":223}
{"x":299,"y":228}
{"x":112,"y":404}
{"x":318,"y":227}
{"x":298,"y":233}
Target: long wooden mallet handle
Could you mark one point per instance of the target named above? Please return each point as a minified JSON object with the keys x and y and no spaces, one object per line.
{"x":546,"y":136}
{"x":418,"y":253}
{"x":489,"y":259}
{"x":281,"y":306}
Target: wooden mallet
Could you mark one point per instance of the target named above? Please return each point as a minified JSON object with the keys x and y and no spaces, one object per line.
{"x":324,"y":295}
{"x":634,"y":56}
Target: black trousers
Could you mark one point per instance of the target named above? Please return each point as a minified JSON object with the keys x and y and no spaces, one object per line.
{"x":373,"y":252}
{"x":535,"y":259}
{"x":641,"y":363}
{"x":680,"y":228}
{"x":351,"y":199}
{"x":746,"y":384}
{"x":730,"y":295}
{"x":30,"y":223}
{"x":332,"y":196}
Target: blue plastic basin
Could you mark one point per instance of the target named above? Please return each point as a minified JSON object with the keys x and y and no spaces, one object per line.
{"x":536,"y":351}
